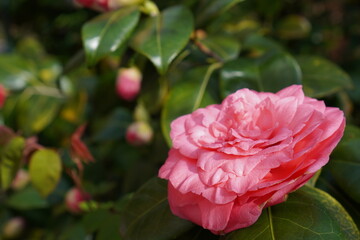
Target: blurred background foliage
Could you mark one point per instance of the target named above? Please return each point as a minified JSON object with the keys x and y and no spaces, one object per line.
{"x":70,"y":124}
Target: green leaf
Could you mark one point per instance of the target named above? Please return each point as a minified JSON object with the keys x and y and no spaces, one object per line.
{"x":45,"y":170}
{"x":161,"y":38}
{"x":328,"y":185}
{"x":37,"y":108}
{"x":148,"y":217}
{"x":345,"y":163}
{"x":322,"y":77}
{"x":293,"y":27}
{"x":10,"y":158}
{"x":309,"y":213}
{"x":105,"y":223}
{"x":209,"y":9}
{"x":26,"y":199}
{"x":108,"y":32}
{"x":189,"y":94}
{"x":15,"y":72}
{"x":223,"y":47}
{"x":269,"y":74}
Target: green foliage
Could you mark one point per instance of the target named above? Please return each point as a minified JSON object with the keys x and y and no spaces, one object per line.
{"x":162,"y":37}
{"x":59,"y":65}
{"x":10,"y":157}
{"x":45,"y":170}
{"x":308,"y":213}
{"x":107,"y":33}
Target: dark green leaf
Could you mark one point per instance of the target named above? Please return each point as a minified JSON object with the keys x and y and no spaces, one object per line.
{"x":269,"y":74}
{"x":309,"y":213}
{"x":345,"y":162}
{"x":25,"y":199}
{"x":186,"y":96}
{"x":322,"y":77}
{"x":108,"y":32}
{"x":209,"y":9}
{"x":293,"y":27}
{"x":161,"y":38}
{"x":10,"y":158}
{"x":223,"y":47}
{"x":45,"y":170}
{"x":15,"y":72}
{"x":115,"y":126}
{"x":329,"y":186}
{"x":148,"y":217}
{"x":37,"y":108}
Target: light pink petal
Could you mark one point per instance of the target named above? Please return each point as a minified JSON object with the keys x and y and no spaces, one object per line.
{"x":215,"y":216}
{"x":293,"y":90}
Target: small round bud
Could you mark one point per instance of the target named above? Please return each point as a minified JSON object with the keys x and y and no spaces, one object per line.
{"x":139,"y":133}
{"x":128,"y":83}
{"x":3,"y":94}
{"x":74,"y":197}
{"x":14,"y":228}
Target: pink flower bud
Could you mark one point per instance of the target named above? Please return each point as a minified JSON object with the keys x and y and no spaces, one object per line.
{"x":3,"y":94}
{"x":100,"y":5}
{"x":21,"y":179}
{"x":74,"y":197}
{"x":139,"y":133}
{"x":14,"y":228}
{"x":128,"y":83}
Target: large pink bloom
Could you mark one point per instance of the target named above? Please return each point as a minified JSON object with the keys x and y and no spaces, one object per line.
{"x":231,"y":160}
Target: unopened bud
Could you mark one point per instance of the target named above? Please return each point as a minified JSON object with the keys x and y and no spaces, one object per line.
{"x":150,"y":8}
{"x":115,"y":4}
{"x":128,"y":83}
{"x":14,"y":228}
{"x":3,"y":94}
{"x":74,"y":197}
{"x":139,"y":133}
{"x":140,"y":113}
{"x":21,"y":179}
{"x":99,"y":5}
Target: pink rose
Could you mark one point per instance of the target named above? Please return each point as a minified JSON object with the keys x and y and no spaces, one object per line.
{"x":3,"y":94}
{"x":128,"y":83}
{"x":229,"y":161}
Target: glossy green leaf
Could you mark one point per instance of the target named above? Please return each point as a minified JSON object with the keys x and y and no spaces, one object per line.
{"x":10,"y":157}
{"x":309,"y":213}
{"x":345,"y":162}
{"x":322,"y":77}
{"x":330,"y":186}
{"x":104,"y":223}
{"x":270,"y":74}
{"x":15,"y":72}
{"x":222,"y":47}
{"x":37,"y":107}
{"x":190,"y":93}
{"x":108,"y":32}
{"x":148,"y":216}
{"x":45,"y":170}
{"x":26,"y":199}
{"x":209,"y":9}
{"x":161,"y":38}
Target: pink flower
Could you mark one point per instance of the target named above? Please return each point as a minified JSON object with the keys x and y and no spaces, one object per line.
{"x":21,"y":179}
{"x":128,"y":83}
{"x":74,"y":197}
{"x":231,"y":160}
{"x":139,"y":133}
{"x":3,"y":94}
